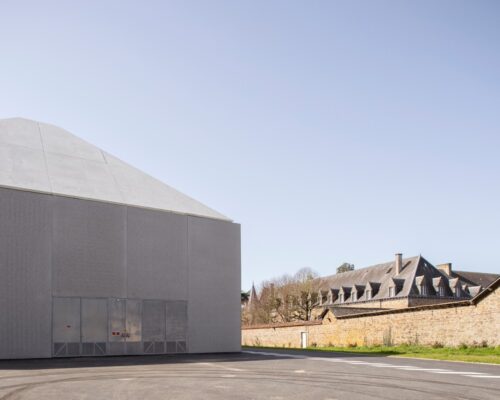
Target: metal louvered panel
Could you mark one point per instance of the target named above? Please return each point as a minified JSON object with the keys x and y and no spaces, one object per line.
{"x":176,"y":320}
{"x":59,"y":349}
{"x":181,"y":346}
{"x":153,"y":320}
{"x":96,"y":327}
{"x":73,"y":349}
{"x":116,"y":317}
{"x":87,"y":349}
{"x":159,"y":347}
{"x":148,"y":347}
{"x":66,"y":319}
{"x":133,"y":347}
{"x":100,"y":349}
{"x":94,"y":320}
{"x":133,"y":320}
{"x":171,"y":347}
{"x":117,"y":348}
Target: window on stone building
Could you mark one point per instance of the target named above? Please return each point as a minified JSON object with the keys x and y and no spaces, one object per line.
{"x":354,"y":296}
{"x":458,"y":291}
{"x":392,"y":291}
{"x":341,"y":297}
{"x":368,"y":294}
{"x":441,"y":291}
{"x":423,"y":290}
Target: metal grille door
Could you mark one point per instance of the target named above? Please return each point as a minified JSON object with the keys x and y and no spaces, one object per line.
{"x":153,"y":326}
{"x":94,"y":327}
{"x":133,"y":325}
{"x":66,"y":327}
{"x":116,"y":330}
{"x":125,"y":326}
{"x":99,"y":326}
{"x":176,"y":324}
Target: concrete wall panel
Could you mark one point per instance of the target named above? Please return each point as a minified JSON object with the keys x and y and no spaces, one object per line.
{"x":156,"y":255}
{"x":23,"y":167}
{"x":66,"y":247}
{"x":78,"y":177}
{"x":25,"y":258}
{"x":214,"y":286}
{"x":88,"y":248}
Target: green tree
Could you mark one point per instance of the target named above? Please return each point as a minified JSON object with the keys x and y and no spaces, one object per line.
{"x":345,"y":267}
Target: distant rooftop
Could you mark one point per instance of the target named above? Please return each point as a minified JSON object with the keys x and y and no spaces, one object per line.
{"x":39,"y":157}
{"x":408,"y":278}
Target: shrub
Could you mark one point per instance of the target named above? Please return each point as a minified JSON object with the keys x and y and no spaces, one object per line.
{"x":463,"y":346}
{"x":314,"y":344}
{"x":437,"y":345}
{"x":352,"y":344}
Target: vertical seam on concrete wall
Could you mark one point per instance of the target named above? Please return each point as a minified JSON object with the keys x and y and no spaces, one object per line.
{"x":113,"y":176}
{"x":44,"y":158}
{"x":125,"y":247}
{"x":52,"y":201}
{"x":188,"y":280}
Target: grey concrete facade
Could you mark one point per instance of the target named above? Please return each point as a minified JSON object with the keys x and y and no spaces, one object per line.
{"x":95,"y":253}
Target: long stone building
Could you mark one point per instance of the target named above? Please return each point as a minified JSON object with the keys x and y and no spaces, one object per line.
{"x":473,"y":322}
{"x":99,"y":258}
{"x":403,"y":301}
{"x":401,"y":283}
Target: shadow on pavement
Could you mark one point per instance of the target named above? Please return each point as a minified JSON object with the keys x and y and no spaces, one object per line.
{"x":114,"y":361}
{"x":320,"y":353}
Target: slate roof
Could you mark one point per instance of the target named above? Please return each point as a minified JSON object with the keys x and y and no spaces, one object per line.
{"x":44,"y":158}
{"x":380,"y":274}
{"x":342,"y":311}
{"x":418,"y":277}
{"x":475,"y":278}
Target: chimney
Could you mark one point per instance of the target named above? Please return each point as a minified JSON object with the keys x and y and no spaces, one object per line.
{"x":446,"y":268}
{"x":399,"y":263}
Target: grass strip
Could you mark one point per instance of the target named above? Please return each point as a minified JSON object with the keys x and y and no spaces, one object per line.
{"x":463,"y":353}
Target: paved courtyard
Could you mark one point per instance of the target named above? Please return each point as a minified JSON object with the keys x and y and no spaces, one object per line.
{"x":254,"y":374}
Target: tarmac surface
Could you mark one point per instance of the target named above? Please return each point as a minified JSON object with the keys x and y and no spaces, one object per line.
{"x":252,"y":374}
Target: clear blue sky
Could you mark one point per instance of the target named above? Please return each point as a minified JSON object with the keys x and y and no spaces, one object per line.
{"x":331,"y":130}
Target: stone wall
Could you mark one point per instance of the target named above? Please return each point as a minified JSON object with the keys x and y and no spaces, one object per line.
{"x":398,"y":302}
{"x":451,"y":324}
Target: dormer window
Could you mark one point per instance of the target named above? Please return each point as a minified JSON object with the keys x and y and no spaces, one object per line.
{"x":422,"y":290}
{"x":368,"y":294}
{"x":439,"y":288}
{"x":395,"y":287}
{"x":354,"y":296}
{"x":458,"y":291}
{"x":341,"y":297}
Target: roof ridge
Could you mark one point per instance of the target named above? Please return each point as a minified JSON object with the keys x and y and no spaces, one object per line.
{"x":346,"y":273}
{"x":476,"y":272}
{"x":45,"y":158}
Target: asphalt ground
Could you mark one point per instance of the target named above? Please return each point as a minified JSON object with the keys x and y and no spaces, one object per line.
{"x":252,"y":374}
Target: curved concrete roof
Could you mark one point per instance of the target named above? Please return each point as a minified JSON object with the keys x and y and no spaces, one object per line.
{"x":43,"y":158}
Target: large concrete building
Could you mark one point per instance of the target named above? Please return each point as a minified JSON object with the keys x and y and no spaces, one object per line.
{"x":98,"y":258}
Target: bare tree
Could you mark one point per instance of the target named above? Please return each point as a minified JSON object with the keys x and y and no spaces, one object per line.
{"x":286,"y":298}
{"x":306,"y":289}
